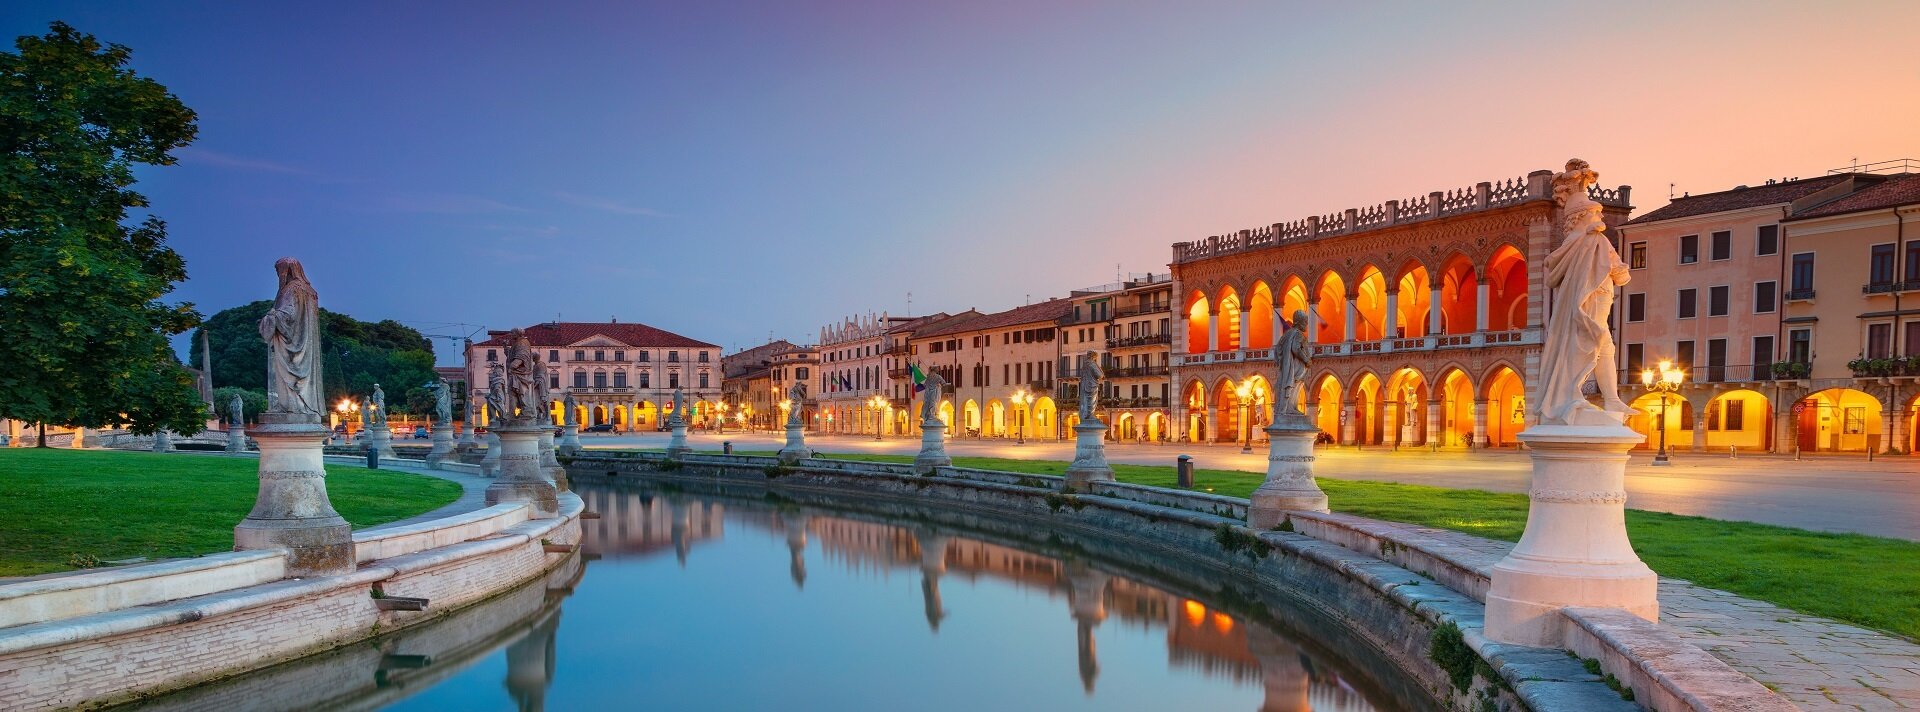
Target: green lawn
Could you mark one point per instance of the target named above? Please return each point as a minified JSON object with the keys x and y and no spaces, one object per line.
{"x":56,"y":504}
{"x":1865,"y":580}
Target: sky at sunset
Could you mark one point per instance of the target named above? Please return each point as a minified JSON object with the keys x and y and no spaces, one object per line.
{"x":729,"y":170}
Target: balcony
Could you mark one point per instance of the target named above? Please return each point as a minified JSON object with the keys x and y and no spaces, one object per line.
{"x":1878,"y":288}
{"x":1800,"y":295}
{"x":1144,"y":402}
{"x":1137,"y":371}
{"x":608,"y":390}
{"x":1162,"y":308}
{"x":1478,"y":339}
{"x":1132,"y":341}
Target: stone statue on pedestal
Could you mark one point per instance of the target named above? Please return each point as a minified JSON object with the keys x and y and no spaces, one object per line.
{"x":442,"y":402}
{"x":1090,"y":378}
{"x":292,"y":332}
{"x":930,"y":397}
{"x":236,"y":412}
{"x":571,"y":416}
{"x":378,"y":401}
{"x":679,"y":406}
{"x":496,"y":393}
{"x":522,"y":381}
{"x":1583,"y":273}
{"x":1292,"y":358}
{"x":795,"y":395}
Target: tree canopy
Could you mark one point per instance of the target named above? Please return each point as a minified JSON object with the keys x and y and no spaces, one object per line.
{"x":81,"y":281}
{"x":357,"y":355}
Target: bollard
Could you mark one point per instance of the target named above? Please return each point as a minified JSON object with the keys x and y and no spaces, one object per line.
{"x":1185,"y":468}
{"x":726,"y":447}
{"x":373,"y":459}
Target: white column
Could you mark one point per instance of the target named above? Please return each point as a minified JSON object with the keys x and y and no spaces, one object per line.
{"x":1213,"y":331}
{"x":1699,"y":429}
{"x":1393,"y":416}
{"x":1277,"y":329}
{"x":1480,"y":307}
{"x":1479,"y":423}
{"x":1436,"y":424}
{"x":1350,"y":428}
{"x":1246,"y":334}
{"x":1433,"y":312}
{"x":1353,"y":320}
{"x":1391,"y":328}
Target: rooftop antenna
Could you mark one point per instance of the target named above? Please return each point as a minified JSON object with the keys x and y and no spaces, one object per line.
{"x":909,"y":304}
{"x":1670,"y":187}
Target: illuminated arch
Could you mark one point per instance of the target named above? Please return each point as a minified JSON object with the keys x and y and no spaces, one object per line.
{"x":1459,"y":295}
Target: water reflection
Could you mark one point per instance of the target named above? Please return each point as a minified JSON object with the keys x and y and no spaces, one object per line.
{"x":712,"y":630}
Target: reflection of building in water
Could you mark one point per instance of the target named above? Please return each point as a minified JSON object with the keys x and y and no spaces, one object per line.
{"x":639,"y":524}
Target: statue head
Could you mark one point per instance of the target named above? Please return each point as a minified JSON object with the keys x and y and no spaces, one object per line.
{"x":289,"y":270}
{"x":1573,"y":181}
{"x":1299,"y":318}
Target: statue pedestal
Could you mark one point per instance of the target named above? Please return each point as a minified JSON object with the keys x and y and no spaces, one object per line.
{"x":570,"y":440}
{"x":1289,"y":485}
{"x":933,"y":447}
{"x":796,"y":449}
{"x":380,"y":439}
{"x":549,"y":462}
{"x":442,"y":445}
{"x":1089,"y":456}
{"x":521,"y":478}
{"x":292,"y":511}
{"x":490,"y":465}
{"x":162,"y":442}
{"x":237,"y":438}
{"x":462,"y":435}
{"x":677,"y":447}
{"x":1574,"y":551}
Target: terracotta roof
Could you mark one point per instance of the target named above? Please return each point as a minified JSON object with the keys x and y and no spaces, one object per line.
{"x":562,"y":333}
{"x":917,"y":322}
{"x":1895,"y":191}
{"x":1048,"y":311}
{"x":1739,"y":199}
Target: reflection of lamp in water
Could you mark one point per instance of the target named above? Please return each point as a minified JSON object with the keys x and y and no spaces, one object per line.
{"x":797,"y":548}
{"x":1087,"y":600}
{"x":530,"y":664}
{"x":1283,"y":671}
{"x":933,"y":563}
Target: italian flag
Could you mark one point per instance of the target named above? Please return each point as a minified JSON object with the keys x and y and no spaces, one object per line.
{"x":919,"y":378}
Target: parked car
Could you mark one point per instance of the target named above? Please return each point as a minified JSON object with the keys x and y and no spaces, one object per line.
{"x":419,"y":433}
{"x":601,"y":428}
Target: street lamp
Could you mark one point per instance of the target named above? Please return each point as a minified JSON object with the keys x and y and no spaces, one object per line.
{"x":1243,"y":393}
{"x":1665,"y":381}
{"x":720,"y":417}
{"x":876,"y":403}
{"x":1021,"y":398}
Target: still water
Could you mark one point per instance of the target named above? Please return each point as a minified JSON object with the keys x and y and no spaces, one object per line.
{"x":685,"y":601}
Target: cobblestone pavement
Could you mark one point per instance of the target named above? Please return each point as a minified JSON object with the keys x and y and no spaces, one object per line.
{"x":1816,"y":663}
{"x":1842,"y":493}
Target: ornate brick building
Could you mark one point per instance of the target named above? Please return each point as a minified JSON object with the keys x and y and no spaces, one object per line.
{"x":1424,"y":315}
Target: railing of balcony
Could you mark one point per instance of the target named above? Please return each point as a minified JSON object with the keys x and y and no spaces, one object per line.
{"x":1798,"y":295}
{"x":1137,"y":310}
{"x":1350,"y":348}
{"x":1131,"y":341}
{"x":1143,"y":402}
{"x":1137,"y":371}
{"x":1882,"y":287}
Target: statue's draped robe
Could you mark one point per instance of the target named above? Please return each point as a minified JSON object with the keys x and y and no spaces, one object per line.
{"x":1293,"y":357}
{"x":292,"y":333}
{"x":1579,"y":272}
{"x":930,"y":402}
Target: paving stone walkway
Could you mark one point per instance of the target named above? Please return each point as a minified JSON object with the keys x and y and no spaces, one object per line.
{"x":1817,"y":663}
{"x":473,"y":495}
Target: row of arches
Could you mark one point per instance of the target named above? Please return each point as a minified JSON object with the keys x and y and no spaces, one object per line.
{"x":623,"y":416}
{"x":1830,"y":420}
{"x":1459,"y":298}
{"x":1406,"y":407}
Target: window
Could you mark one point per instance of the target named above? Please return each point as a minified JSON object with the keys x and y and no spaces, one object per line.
{"x":673,"y":380}
{"x":1635,"y":359}
{"x":600,"y":379}
{"x":619,"y":379}
{"x":704,"y":356}
{"x":1689,"y":249}
{"x":1803,"y":274}
{"x":599,"y":355}
{"x":579,"y":354}
{"x":646,"y":356}
{"x":1880,"y":266}
{"x":1689,"y":303}
{"x":1717,"y":298}
{"x":703,"y":380}
{"x":1768,"y":241}
{"x":1722,"y":246}
{"x":1683,"y":357}
{"x":673,"y":357}
{"x":1716,"y":360}
{"x":1734,"y":416}
{"x":1856,"y":420}
{"x":579,"y":379}
{"x":646,"y":379}
{"x":800,"y":373}
{"x":1912,"y":272}
{"x":620,"y":356}
{"x":553,"y":355}
{"x":1637,"y":255}
{"x":1879,"y":340}
{"x":553,"y":379}
{"x":492,"y":355}
{"x":1913,"y":339}
{"x":1637,"y":307}
{"x":1762,"y":357}
{"x":1765,"y":297}
{"x":1800,"y":346}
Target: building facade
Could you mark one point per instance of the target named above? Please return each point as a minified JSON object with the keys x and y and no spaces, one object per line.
{"x":1424,"y":316}
{"x":747,"y":395}
{"x":1000,"y":370}
{"x":1130,"y":324}
{"x":623,"y":374}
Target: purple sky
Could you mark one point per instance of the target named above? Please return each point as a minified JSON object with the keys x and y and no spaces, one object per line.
{"x":725,"y":171}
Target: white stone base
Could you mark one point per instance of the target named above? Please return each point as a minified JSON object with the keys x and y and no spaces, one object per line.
{"x":521,"y":478}
{"x":550,"y":462}
{"x":162,"y":442}
{"x":292,"y":511}
{"x":1289,"y":485}
{"x":933,"y":447}
{"x":380,"y":439}
{"x":1575,"y":550}
{"x":677,"y":445}
{"x":570,"y":440}
{"x":442,"y":446}
{"x":490,"y":464}
{"x":1089,"y":456}
{"x":796,"y":448}
{"x":237,"y":439}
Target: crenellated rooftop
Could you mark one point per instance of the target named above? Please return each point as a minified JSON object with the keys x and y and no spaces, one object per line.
{"x":1488,"y":195}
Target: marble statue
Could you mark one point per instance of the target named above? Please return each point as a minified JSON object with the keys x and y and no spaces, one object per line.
{"x":795,"y":395}
{"x":378,"y":403}
{"x":292,"y":332}
{"x":1090,"y":378}
{"x":496,"y":393}
{"x":542,"y":414}
{"x":442,"y":401}
{"x":930,"y":398}
{"x":1582,"y":274}
{"x":1292,"y":357}
{"x":572,"y":417}
{"x":523,"y":381}
{"x":679,"y":405}
{"x":236,"y":411}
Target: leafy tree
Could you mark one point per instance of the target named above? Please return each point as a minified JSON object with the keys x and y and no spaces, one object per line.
{"x":357,"y":354}
{"x":252,"y":403}
{"x":81,"y":283}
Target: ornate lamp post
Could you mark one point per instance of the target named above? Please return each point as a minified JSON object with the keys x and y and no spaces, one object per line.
{"x":1021,"y":398}
{"x":1663,"y":379}
{"x":1243,"y":394}
{"x":877,"y":404}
